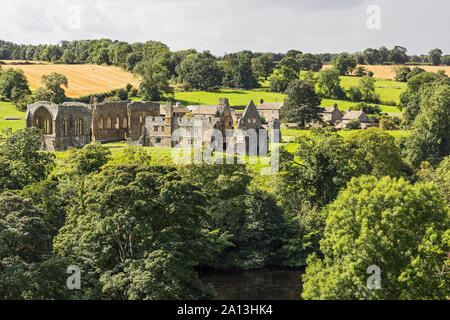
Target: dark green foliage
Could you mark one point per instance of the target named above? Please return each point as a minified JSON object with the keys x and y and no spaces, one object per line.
{"x":398,"y":55}
{"x":325,"y":162}
{"x":401,"y":228}
{"x":360,"y":71}
{"x":246,"y":224}
{"x":281,"y":78}
{"x":13,"y":84}
{"x":309,"y":62}
{"x":131,"y":224}
{"x":200,"y":71}
{"x":430,"y":138}
{"x":401,"y":74}
{"x":21,"y":161}
{"x":353,"y":124}
{"x":435,"y":56}
{"x":345,"y":64}
{"x":238,"y":72}
{"x":263,"y":65}
{"x":53,"y":90}
{"x":329,"y":84}
{"x":291,"y":63}
{"x":302,"y":104}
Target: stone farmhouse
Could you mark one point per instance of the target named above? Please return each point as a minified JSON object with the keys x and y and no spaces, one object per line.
{"x":331,"y":115}
{"x":355,"y":115}
{"x":269,"y":110}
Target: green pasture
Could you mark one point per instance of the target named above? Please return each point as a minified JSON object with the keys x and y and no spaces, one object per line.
{"x":389,"y":90}
{"x":7,"y":109}
{"x":242,"y":98}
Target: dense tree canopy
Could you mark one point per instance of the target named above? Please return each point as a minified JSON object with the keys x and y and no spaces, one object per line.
{"x":400,"y":228}
{"x":13,"y":84}
{"x":200,"y":71}
{"x":53,"y":90}
{"x":302,"y":103}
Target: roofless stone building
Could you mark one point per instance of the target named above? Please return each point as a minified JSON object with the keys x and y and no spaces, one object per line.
{"x":74,"y":124}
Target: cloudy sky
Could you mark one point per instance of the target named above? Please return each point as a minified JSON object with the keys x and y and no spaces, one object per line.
{"x":231,"y":25}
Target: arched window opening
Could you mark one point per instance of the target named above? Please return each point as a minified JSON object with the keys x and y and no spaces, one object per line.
{"x":43,"y":120}
{"x":108,"y":123}
{"x":117,"y":123}
{"x":101,"y":124}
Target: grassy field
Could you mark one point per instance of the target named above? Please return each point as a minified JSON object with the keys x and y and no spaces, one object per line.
{"x":236,"y":97}
{"x":84,"y":79}
{"x":388,"y":90}
{"x":7,"y":109}
{"x":242,"y":98}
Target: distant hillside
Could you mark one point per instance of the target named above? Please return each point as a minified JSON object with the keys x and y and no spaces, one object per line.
{"x":388,"y":71}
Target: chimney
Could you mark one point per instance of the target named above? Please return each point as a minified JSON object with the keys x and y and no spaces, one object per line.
{"x":169,"y":109}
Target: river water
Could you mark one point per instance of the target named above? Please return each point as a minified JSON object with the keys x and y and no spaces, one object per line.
{"x":255,"y":284}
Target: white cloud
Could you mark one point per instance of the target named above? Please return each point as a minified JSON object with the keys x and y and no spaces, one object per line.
{"x":232,"y":25}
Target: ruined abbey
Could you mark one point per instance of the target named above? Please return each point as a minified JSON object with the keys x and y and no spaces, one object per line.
{"x":145,"y":123}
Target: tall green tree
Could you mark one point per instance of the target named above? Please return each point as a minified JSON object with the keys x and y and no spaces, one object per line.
{"x":430,"y":138}
{"x":329,"y":84}
{"x":435,"y":56}
{"x":13,"y":84}
{"x":263,"y":65}
{"x":400,"y":228}
{"x":200,"y":71}
{"x":345,"y":63}
{"x":281,"y":78}
{"x":302,"y":104}
{"x":309,"y":62}
{"x":238,"y":72}
{"x":22,"y":162}
{"x":136,"y":225}
{"x":367,"y":89}
{"x":155,"y":78}
{"x":53,"y":89}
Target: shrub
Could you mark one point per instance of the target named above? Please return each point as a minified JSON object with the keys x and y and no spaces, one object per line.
{"x":360,"y":71}
{"x":354,"y":94}
{"x":401,"y":74}
{"x":354,"y":124}
{"x":388,"y":124}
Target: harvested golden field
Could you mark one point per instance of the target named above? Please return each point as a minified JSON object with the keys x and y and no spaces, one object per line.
{"x":388,"y":72}
{"x":84,"y":79}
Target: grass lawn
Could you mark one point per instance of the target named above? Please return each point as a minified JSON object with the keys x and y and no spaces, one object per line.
{"x":389,"y":90}
{"x":242,"y":98}
{"x":7,"y":109}
{"x":236,"y":97}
